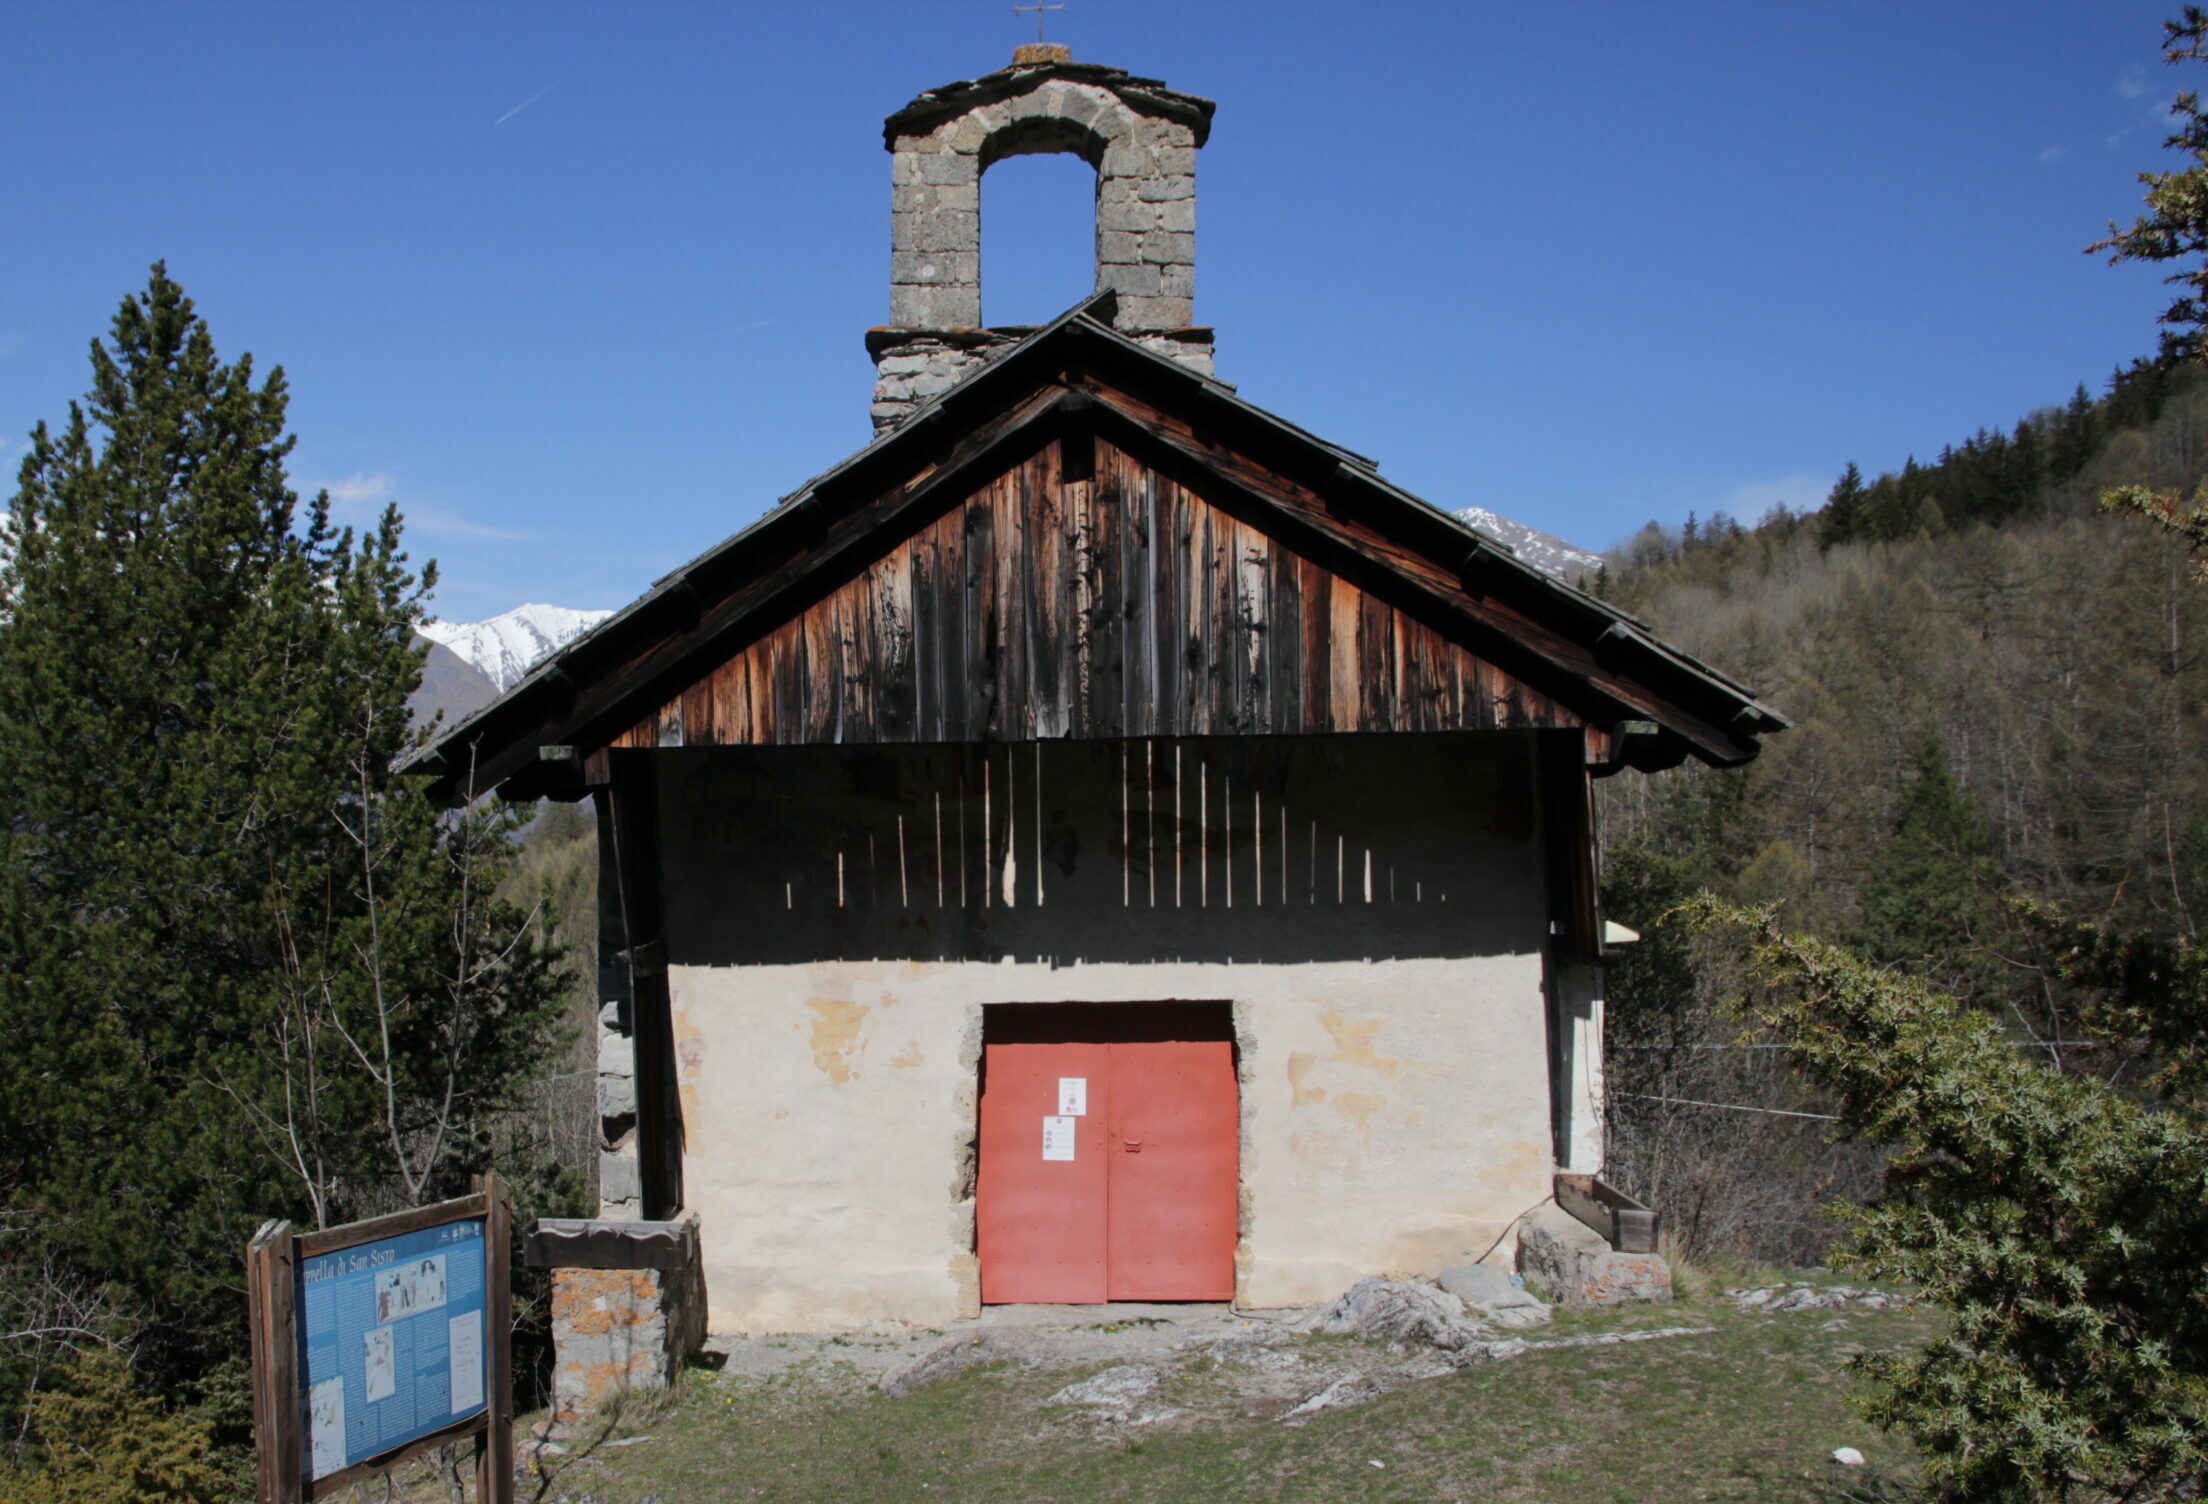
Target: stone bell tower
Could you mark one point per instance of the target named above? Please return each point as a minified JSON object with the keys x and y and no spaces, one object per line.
{"x":1141,"y":138}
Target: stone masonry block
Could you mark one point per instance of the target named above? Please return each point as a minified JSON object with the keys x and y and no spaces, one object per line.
{"x":1169,"y":248}
{"x":1151,"y":131}
{"x":1116,"y":191}
{"x":903,"y":365}
{"x":913,"y":198}
{"x":1164,"y":190}
{"x":1180,"y":214}
{"x":1136,"y":281}
{"x":1124,"y":159}
{"x":968,"y":134}
{"x":904,"y":168}
{"x":616,"y":1054}
{"x":1131,"y":216}
{"x":1081,"y":104}
{"x":935,"y":268}
{"x":1196,"y":356}
{"x":1174,"y":161}
{"x":621,"y":1330}
{"x":923,"y":307}
{"x":1043,"y":102}
{"x":1120,"y":246}
{"x":1114,"y":122}
{"x":617,"y":1178}
{"x":1575,"y":1266}
{"x":1153,"y":313}
{"x":966,"y":196}
{"x":616,"y":1097}
{"x":946,"y":230}
{"x":1177,"y":282}
{"x":945,"y":167}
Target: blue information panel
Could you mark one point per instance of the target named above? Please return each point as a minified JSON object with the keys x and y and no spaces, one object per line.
{"x":392,"y":1343}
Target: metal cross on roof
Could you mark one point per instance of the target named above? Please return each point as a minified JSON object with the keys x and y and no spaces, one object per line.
{"x":1038,"y":8}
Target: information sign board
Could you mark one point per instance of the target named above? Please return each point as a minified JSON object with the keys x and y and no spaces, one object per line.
{"x":391,"y":1342}
{"x":377,"y":1341}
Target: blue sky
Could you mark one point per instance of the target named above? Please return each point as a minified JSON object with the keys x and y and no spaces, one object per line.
{"x":583,"y":286}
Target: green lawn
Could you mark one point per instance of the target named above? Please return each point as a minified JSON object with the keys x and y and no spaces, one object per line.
{"x":1751,"y":1411}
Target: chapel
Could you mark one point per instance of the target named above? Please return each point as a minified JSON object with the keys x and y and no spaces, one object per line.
{"x":1100,"y":841}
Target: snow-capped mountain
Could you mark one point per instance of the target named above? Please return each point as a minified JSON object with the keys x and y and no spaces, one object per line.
{"x":505,"y":647}
{"x":1544,"y":551}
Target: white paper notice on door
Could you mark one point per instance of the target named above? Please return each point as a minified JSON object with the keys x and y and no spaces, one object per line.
{"x":1057,"y":1138}
{"x":1073,"y":1096}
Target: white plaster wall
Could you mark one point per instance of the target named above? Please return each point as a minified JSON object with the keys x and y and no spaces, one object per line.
{"x":1396,"y":1119}
{"x":1579,"y":993}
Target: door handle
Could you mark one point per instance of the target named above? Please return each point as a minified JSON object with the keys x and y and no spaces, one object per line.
{"x":1134,"y":1145}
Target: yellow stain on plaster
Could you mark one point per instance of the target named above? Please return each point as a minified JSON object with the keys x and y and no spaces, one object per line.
{"x":1299,"y":1066}
{"x":835,"y":1026}
{"x":781,"y":1114}
{"x":1358,"y":1107}
{"x":689,"y":1063}
{"x":689,"y":1043}
{"x":907,"y":1058}
{"x":1353,"y":1042}
{"x":1353,"y":1048}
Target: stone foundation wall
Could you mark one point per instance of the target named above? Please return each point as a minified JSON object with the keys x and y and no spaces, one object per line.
{"x":616,"y":1330}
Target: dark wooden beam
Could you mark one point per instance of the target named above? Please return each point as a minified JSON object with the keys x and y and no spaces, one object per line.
{"x":631,"y":819}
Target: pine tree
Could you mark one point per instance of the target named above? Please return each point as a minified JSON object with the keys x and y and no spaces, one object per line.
{"x":1929,"y":893}
{"x":2034,"y":1207}
{"x":202,"y":690}
{"x":1842,"y":519}
{"x":2176,"y":226}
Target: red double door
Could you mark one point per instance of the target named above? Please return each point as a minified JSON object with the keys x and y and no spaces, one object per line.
{"x":1108,"y":1172}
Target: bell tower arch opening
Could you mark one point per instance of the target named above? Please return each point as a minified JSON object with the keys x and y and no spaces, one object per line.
{"x":1140,"y":138}
{"x":1038,"y":235}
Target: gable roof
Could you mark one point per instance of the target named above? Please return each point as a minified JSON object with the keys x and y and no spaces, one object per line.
{"x":1653,"y":704}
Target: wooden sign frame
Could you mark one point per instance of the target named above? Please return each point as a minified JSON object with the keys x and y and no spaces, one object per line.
{"x":272,"y":1267}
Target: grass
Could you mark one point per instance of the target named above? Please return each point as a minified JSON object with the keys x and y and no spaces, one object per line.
{"x":1751,"y":1411}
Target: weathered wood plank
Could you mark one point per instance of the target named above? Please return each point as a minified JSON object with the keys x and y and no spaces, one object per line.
{"x":1119,"y":605}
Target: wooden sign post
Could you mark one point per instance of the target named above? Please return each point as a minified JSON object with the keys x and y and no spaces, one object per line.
{"x":381,"y":1340}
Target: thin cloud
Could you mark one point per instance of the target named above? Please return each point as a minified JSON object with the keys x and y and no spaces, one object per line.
{"x":517,"y":109}
{"x":1799,"y":491}
{"x":2052,"y":155}
{"x":358,"y":488}
{"x":439,"y":524}
{"x":2134,"y":85}
{"x":364,"y":492}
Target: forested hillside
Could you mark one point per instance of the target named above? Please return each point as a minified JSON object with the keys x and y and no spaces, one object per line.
{"x":1998,"y":693}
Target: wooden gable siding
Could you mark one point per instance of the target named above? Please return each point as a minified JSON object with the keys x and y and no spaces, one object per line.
{"x":1119,"y":605}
